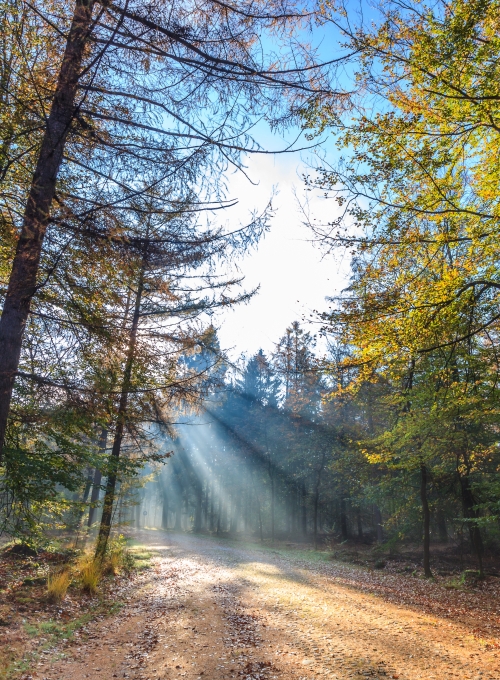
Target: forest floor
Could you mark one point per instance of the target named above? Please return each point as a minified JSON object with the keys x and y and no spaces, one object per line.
{"x":211,"y":609}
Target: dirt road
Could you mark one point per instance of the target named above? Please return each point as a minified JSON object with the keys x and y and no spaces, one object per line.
{"x":209,"y":610}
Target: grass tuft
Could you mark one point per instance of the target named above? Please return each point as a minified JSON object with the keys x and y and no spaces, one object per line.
{"x":58,"y":584}
{"x":89,"y":573}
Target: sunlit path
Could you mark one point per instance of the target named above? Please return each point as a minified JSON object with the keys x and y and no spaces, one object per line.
{"x":210,"y":609}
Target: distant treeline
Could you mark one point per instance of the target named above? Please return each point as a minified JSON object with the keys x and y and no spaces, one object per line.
{"x":288,"y":451}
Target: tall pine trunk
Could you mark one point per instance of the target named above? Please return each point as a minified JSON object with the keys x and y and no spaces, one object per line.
{"x":109,"y":496}
{"x":23,"y":276}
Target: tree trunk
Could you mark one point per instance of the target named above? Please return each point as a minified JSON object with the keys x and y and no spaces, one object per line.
{"x":85,"y":495}
{"x":235,"y":514}
{"x":138,"y":512}
{"x":23,"y":276}
{"x":261,"y":535}
{"x":212,"y":506}
{"x":468,"y":502}
{"x":303,"y":509}
{"x":198,"y":507}
{"x":273,"y":494}
{"x":259,"y":511}
{"x":441,"y":525}
{"x":319,"y":472}
{"x":96,"y":485}
{"x":343,"y":520}
{"x":315,"y":516}
{"x":178,"y":513}
{"x":360,"y":523}
{"x":246,"y":509}
{"x":186,"y":511}
{"x":164,"y":506}
{"x":109,"y":496}
{"x":427,"y":521}
{"x":377,"y":515}
{"x":219,"y":513}
{"x":206,"y":506}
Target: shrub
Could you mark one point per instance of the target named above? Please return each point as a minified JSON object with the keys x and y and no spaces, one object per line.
{"x":112,"y":564}
{"x":117,"y":557}
{"x":58,"y":584}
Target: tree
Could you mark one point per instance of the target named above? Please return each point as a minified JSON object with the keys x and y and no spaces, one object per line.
{"x":141,"y":87}
{"x":419,"y":210}
{"x":170,"y":277}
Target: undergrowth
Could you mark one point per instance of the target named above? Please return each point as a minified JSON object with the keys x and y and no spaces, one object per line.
{"x":51,"y":576}
{"x":58,"y":584}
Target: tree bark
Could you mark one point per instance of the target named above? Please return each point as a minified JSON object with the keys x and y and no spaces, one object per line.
{"x":109,"y":496}
{"x":360,"y":523}
{"x":85,"y":495}
{"x":273,"y":494}
{"x":315,"y":516}
{"x":468,"y":502}
{"x":235,"y":513}
{"x":198,"y":506}
{"x":96,"y":485}
{"x":343,"y":519}
{"x":23,"y":276}
{"x":94,"y":496}
{"x":212,"y":506}
{"x":303,"y":508}
{"x":319,"y":472}
{"x":164,"y":506}
{"x":427,"y":520}
{"x":138,"y":512}
{"x":441,"y":525}
{"x":378,"y":523}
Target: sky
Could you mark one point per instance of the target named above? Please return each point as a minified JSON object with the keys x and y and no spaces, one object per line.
{"x":293,"y":273}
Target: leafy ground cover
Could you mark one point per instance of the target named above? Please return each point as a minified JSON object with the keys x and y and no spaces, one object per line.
{"x":32,"y":624}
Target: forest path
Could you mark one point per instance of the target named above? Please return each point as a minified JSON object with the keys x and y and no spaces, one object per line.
{"x":212,"y":610}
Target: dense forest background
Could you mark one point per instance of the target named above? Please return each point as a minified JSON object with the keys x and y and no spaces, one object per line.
{"x":118,"y":125}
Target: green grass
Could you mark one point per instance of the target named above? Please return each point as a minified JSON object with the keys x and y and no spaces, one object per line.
{"x":141,"y":555}
{"x":468,"y":578}
{"x":54,"y":632}
{"x":142,"y":560}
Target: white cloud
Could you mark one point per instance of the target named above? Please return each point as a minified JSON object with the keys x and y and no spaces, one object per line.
{"x":293,"y":276}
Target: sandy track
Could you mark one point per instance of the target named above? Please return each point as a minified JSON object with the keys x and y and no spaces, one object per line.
{"x":210,"y":611}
